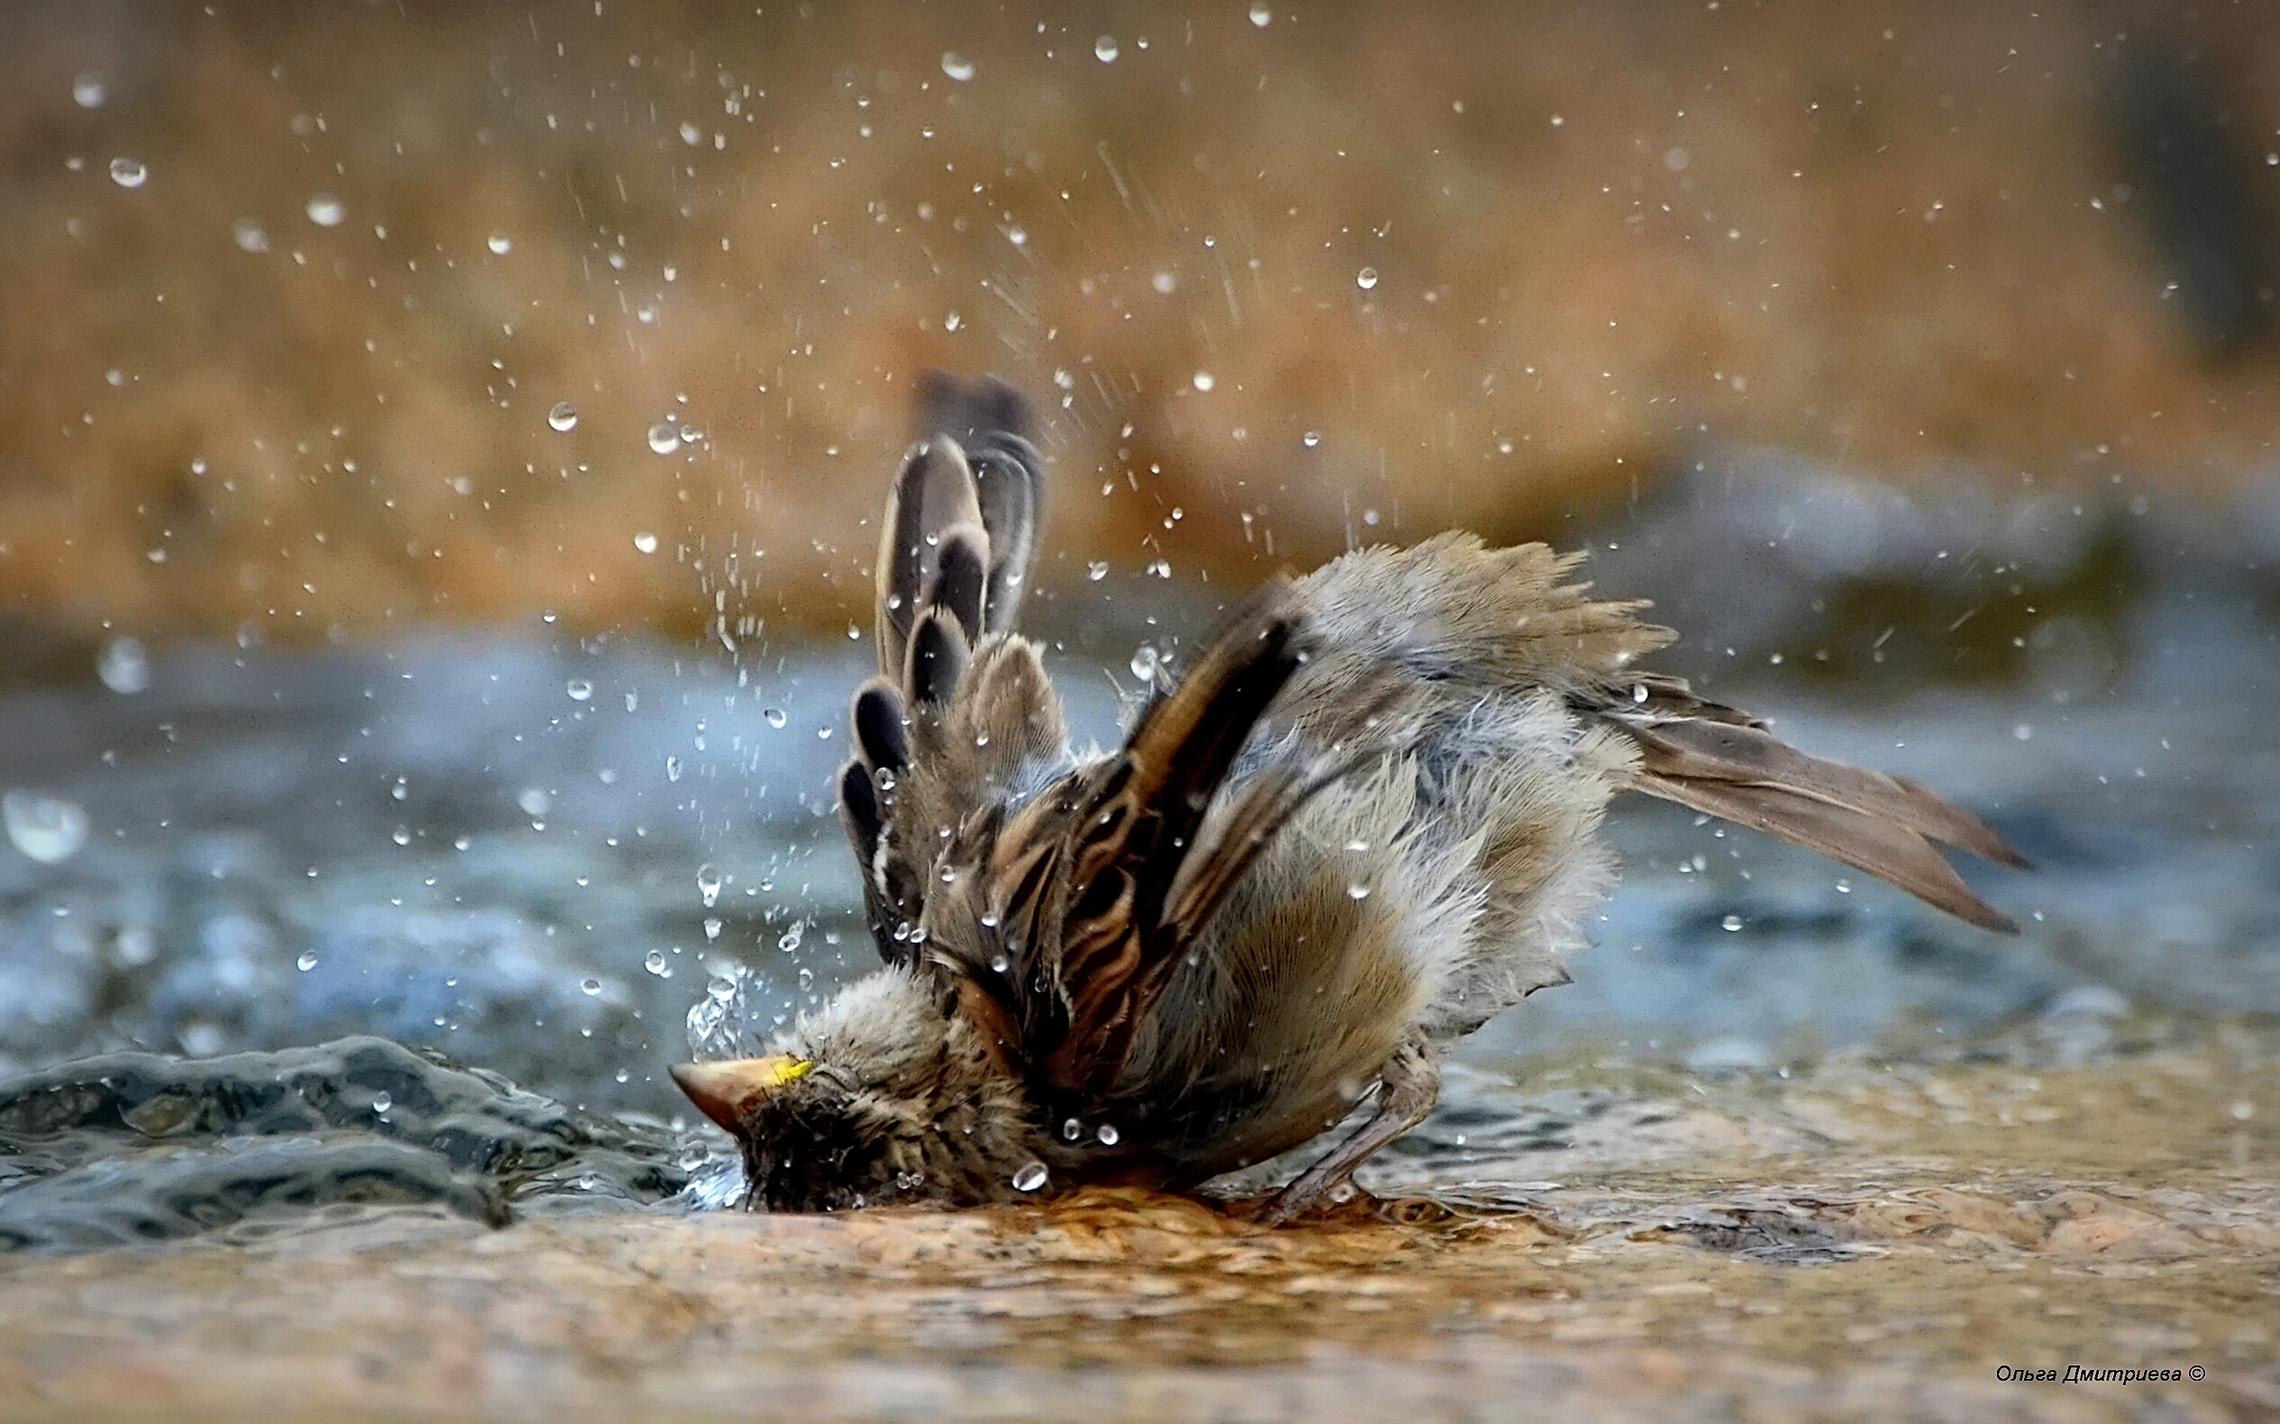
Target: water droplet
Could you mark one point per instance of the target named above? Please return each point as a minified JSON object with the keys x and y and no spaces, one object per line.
{"x":999,"y":964}
{"x":1164,"y":283}
{"x":1366,"y":278}
{"x":89,"y":91}
{"x":805,"y":978}
{"x":325,"y":210}
{"x":381,"y":1102}
{"x":124,"y":666}
{"x":590,"y":987}
{"x":1145,"y":662}
{"x":646,"y":542}
{"x":307,"y":961}
{"x":957,"y":66}
{"x":250,"y":236}
{"x":579,"y":689}
{"x":774,"y":717}
{"x":1072,"y":1130}
{"x":1357,"y":891}
{"x":664,"y":437}
{"x":535,"y":800}
{"x":46,"y":829}
{"x":672,"y":768}
{"x":1731,"y":923}
{"x":1097,"y":570}
{"x":708,"y":884}
{"x":1261,"y":15}
{"x":563,"y":417}
{"x":1104,"y":49}
{"x":789,"y":940}
{"x":1030,"y":1177}
{"x":129,"y":172}
{"x":1204,"y":380}
{"x":1107,"y":1134}
{"x":654,"y":962}
{"x":500,"y":244}
{"x":712,"y":928}
{"x":1310,"y":439}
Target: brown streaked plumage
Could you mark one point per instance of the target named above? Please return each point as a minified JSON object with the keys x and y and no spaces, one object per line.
{"x":1363,"y":823}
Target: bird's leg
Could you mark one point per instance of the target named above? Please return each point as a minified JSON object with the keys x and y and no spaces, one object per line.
{"x":1408,"y":1086}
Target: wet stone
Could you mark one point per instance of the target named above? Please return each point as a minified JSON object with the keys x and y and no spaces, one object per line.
{"x":146,"y":1146}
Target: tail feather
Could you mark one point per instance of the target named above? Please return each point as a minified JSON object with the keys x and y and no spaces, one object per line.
{"x":1745,"y":757}
{"x":1886,"y":849}
{"x":1727,"y":765}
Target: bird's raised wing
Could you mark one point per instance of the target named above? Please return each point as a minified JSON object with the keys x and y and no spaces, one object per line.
{"x":961,"y":708}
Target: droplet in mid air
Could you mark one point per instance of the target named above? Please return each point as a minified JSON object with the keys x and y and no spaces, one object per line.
{"x":563,"y":417}
{"x":128,"y":172}
{"x":1030,"y":1177}
{"x":1261,"y":15}
{"x":124,"y":666}
{"x":1366,"y":278}
{"x":325,"y":210}
{"x":47,"y":829}
{"x":957,"y":66}
{"x":500,"y":244}
{"x":645,"y":542}
{"x":664,"y":437}
{"x":1104,"y":49}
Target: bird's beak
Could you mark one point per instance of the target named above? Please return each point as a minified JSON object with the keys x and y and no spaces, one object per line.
{"x":722,"y":1091}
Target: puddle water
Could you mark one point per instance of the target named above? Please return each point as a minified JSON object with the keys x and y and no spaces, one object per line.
{"x":1788,"y":1138}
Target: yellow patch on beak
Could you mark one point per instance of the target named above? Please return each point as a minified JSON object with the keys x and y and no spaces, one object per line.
{"x":722,"y":1091}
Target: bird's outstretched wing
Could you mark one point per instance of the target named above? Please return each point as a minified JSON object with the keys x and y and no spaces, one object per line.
{"x":1064,"y":914}
{"x":961,"y":705}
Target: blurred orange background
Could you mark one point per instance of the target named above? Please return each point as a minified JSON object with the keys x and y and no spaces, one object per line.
{"x":291,"y":290}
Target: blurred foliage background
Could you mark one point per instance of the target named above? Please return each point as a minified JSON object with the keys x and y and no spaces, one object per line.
{"x":291,"y":290}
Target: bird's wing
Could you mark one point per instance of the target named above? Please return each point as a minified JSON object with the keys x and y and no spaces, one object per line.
{"x":961,"y":703}
{"x":1068,"y":912}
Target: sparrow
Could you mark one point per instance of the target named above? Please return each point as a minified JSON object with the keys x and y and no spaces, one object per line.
{"x":1364,"y":821}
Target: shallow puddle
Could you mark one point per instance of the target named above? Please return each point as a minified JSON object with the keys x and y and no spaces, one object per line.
{"x":1744,"y":1247}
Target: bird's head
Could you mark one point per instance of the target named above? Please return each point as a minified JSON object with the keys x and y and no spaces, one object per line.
{"x":879,"y":1096}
